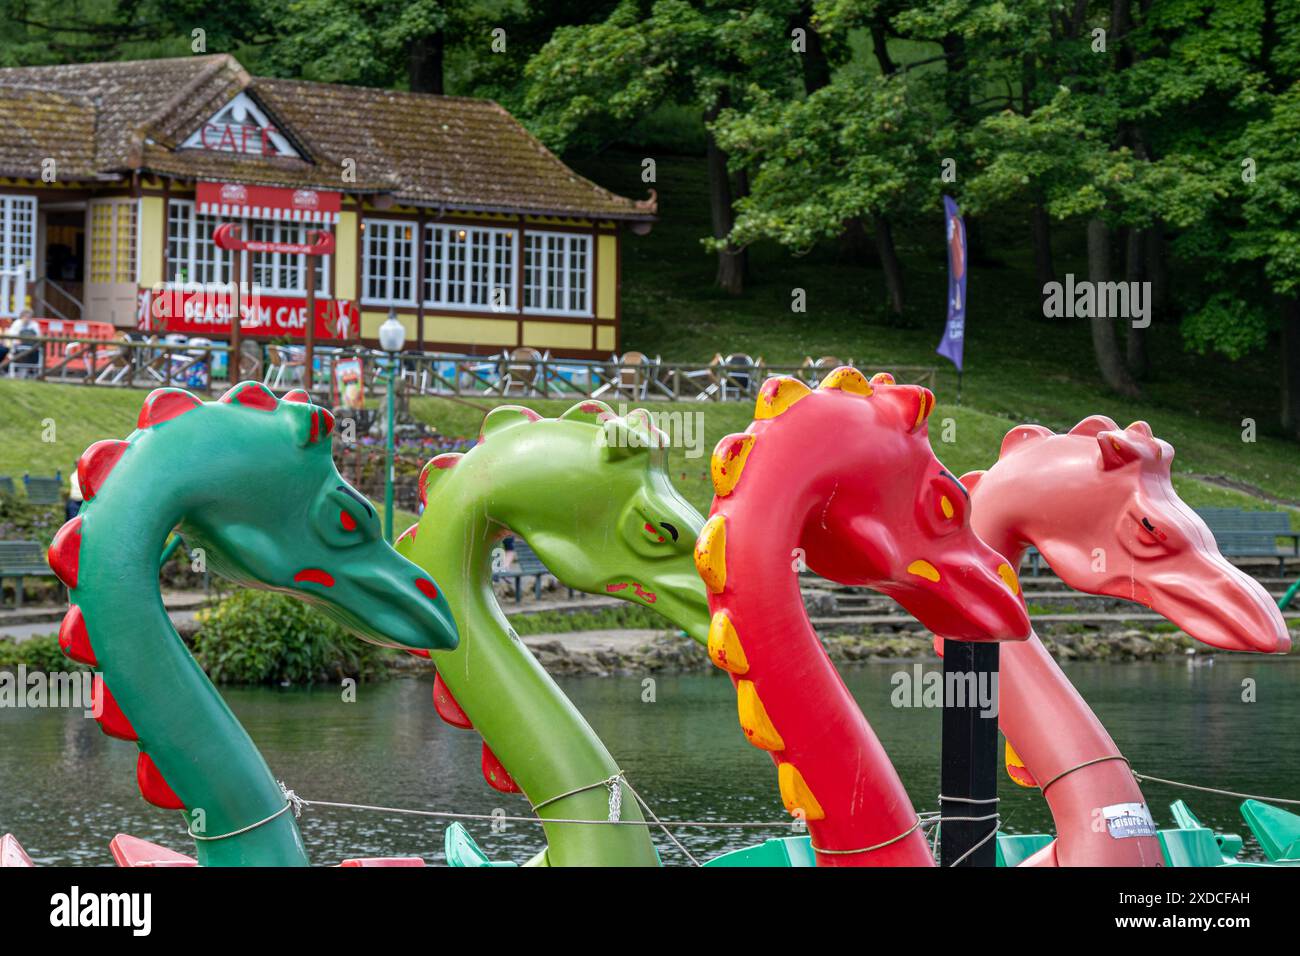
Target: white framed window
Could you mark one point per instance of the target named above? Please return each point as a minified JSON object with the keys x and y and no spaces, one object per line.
{"x":18,"y":234}
{"x":281,"y":272}
{"x":469,"y":267}
{"x":557,"y":273}
{"x":388,"y":261}
{"x":192,"y":256}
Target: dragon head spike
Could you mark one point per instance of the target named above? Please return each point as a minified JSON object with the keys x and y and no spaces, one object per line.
{"x":777,"y":395}
{"x":251,"y":395}
{"x":848,"y":379}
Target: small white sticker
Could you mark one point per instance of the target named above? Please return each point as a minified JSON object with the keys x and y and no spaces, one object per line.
{"x":1129,"y":820}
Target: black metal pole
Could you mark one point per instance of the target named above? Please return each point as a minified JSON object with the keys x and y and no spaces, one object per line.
{"x":970,"y":752}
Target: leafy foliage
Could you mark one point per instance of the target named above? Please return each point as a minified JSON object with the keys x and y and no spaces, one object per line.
{"x":262,"y":637}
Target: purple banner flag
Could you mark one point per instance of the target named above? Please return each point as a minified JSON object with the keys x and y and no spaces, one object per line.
{"x":954,"y":333}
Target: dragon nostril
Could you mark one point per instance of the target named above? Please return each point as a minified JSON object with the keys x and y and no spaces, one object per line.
{"x":427,"y":588}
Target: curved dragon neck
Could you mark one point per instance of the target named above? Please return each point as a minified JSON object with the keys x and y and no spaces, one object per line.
{"x":179,"y":721}
{"x":531,"y":727}
{"x":1035,"y":702}
{"x":793,"y":703}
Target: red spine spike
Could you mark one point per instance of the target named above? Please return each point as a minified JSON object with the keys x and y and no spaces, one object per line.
{"x":446,"y":706}
{"x":408,"y":533}
{"x":165,"y":403}
{"x":314,"y":435}
{"x":95,"y":463}
{"x":74,"y":639}
{"x":253,"y":395}
{"x":495,"y":774}
{"x":111,"y":719}
{"x":327,"y":421}
{"x":64,"y":555}
{"x":153,"y":787}
{"x":297,"y":395}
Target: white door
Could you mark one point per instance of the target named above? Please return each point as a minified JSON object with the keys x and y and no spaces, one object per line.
{"x":110,"y":261}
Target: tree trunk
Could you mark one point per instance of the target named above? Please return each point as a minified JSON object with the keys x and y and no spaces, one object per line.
{"x":1291,"y":366}
{"x":1157,"y":272}
{"x":1135,"y":271}
{"x":816,"y":68}
{"x":1105,"y":345}
{"x":889,"y":263}
{"x":424,"y":63}
{"x":1041,"y":225}
{"x":731,"y":261}
{"x":880,"y":45}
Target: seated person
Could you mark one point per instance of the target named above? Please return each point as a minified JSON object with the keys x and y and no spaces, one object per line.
{"x":21,"y":349}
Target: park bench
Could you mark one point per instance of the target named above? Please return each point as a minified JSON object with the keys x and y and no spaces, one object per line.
{"x":44,"y":491}
{"x":18,"y":560}
{"x":527,"y":564}
{"x":1250,"y":534}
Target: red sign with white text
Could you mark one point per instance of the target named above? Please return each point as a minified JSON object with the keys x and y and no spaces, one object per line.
{"x":269,"y":202}
{"x":195,"y":311}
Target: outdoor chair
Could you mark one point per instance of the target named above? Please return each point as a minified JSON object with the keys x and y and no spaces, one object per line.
{"x":739,"y":375}
{"x":630,"y":376}
{"x":707,"y":380}
{"x":523,"y":372}
{"x":284,"y":361}
{"x":117,"y":361}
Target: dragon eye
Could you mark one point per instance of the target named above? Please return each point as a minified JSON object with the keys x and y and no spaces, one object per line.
{"x":1153,"y":530}
{"x":349,"y":523}
{"x":669,"y":528}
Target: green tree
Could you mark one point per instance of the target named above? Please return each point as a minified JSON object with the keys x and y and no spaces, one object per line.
{"x":591,"y":83}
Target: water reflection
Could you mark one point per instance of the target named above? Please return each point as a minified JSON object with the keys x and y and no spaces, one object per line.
{"x":65,"y":789}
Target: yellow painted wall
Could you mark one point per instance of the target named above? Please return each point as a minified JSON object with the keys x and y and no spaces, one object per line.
{"x":607,"y":277}
{"x":371,"y":321}
{"x":557,"y":335}
{"x":469,"y":331}
{"x":152,"y":231}
{"x":605,"y":338}
{"x":345,"y":251}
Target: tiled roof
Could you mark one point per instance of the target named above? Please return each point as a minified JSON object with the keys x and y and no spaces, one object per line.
{"x":447,"y":152}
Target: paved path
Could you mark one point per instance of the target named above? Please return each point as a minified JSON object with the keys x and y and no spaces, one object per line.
{"x":590,"y":641}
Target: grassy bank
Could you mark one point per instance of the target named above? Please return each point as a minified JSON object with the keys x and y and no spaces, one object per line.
{"x":81,"y":415}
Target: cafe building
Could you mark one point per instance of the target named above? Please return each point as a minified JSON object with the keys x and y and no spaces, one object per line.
{"x":444,"y":210}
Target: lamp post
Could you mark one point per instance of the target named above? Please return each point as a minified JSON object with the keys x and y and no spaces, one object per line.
{"x":392,"y":336}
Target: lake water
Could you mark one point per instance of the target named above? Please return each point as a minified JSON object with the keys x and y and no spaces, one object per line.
{"x":66,"y":789}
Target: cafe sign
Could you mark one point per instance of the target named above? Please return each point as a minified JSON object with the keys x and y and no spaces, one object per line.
{"x":241,"y":126}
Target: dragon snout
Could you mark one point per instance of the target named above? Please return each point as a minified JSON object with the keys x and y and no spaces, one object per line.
{"x":1229,"y":610}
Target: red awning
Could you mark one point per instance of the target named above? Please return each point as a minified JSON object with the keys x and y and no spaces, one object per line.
{"x":234,"y":200}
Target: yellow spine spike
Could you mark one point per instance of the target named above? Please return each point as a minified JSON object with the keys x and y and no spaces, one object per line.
{"x":925,"y":407}
{"x":777,"y":395}
{"x":796,"y":794}
{"x":724,"y":645}
{"x":847,"y":379}
{"x":754,"y":721}
{"x":711,"y":554}
{"x":728,"y":459}
{"x":1017,"y":770}
{"x":1008,"y":575}
{"x":882,"y":378}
